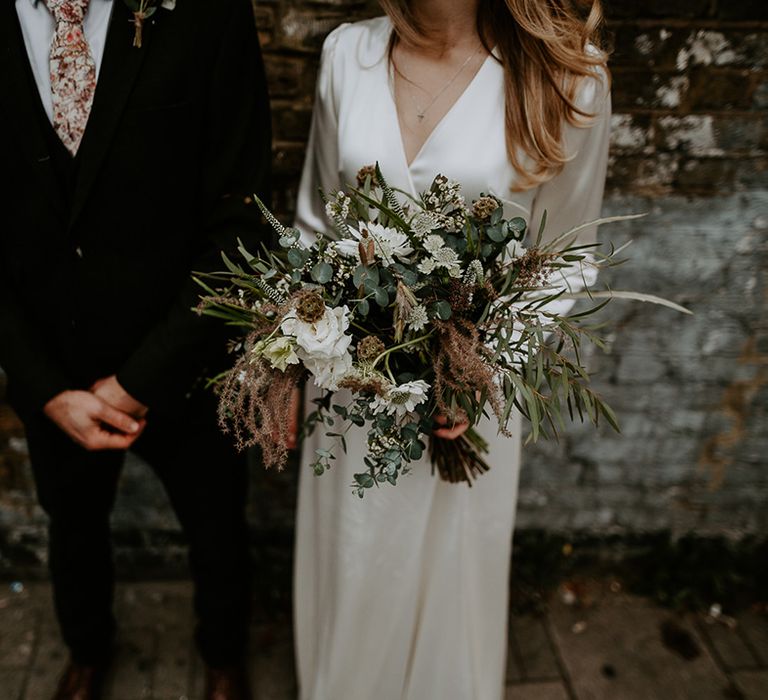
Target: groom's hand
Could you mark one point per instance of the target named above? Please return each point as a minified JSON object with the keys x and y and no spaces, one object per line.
{"x":91,"y":422}
{"x":109,"y":390}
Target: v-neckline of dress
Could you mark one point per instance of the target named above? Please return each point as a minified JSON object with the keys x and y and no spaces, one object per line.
{"x":451,"y":110}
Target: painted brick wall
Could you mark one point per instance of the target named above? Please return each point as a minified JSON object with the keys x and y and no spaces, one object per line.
{"x":690,"y":146}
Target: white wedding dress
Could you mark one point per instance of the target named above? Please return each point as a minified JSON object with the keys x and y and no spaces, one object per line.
{"x":403,"y":595}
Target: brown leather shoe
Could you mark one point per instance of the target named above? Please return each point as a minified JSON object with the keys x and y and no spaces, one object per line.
{"x":80,"y":683}
{"x":229,"y":683}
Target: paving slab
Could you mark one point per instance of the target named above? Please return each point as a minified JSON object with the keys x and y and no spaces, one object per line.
{"x":729,"y":645}
{"x":48,"y":663}
{"x":536,"y":691}
{"x":12,"y":683}
{"x":174,"y":651}
{"x":270,"y":662}
{"x":613,"y":647}
{"x":515,"y":673}
{"x":533,"y":650}
{"x":616,"y":650}
{"x":162,"y":603}
{"x":754,"y":684}
{"x":131,"y":673}
{"x":18,"y":627}
{"x":754,"y":627}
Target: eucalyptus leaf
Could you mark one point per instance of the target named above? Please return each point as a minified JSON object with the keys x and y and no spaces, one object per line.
{"x":381,"y":296}
{"x":443,"y":310}
{"x":297,"y":257}
{"x":358,"y":275}
{"x":322,"y":272}
{"x":496,"y":233}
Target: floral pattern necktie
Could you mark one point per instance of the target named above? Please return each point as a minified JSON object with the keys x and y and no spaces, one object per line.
{"x":73,"y":72}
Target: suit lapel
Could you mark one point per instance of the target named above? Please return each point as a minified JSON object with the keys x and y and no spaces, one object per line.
{"x":119,"y":69}
{"x":23,"y":106}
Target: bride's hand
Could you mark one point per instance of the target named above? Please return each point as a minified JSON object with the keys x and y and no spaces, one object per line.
{"x":456,"y":430}
{"x":293,"y":425}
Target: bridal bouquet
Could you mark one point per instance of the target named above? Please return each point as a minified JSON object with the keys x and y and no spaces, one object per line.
{"x":408,"y":314}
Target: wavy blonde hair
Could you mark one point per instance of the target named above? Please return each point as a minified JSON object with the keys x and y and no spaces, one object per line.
{"x":543,"y":46}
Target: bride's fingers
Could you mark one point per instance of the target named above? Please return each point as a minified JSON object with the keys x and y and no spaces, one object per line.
{"x":293,"y":425}
{"x":449,"y":433}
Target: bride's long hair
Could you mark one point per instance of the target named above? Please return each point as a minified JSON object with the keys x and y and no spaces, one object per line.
{"x":544,"y":48}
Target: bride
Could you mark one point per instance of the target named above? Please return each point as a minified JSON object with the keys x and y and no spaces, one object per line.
{"x":403,"y":595}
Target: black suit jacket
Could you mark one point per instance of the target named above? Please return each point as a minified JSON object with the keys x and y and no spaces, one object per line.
{"x":95,"y":277}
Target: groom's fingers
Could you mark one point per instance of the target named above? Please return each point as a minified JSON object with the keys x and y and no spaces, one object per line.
{"x":98,"y":383}
{"x":117,"y":419}
{"x":102,"y":440}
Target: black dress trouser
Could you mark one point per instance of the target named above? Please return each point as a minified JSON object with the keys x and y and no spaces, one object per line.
{"x":206,"y":482}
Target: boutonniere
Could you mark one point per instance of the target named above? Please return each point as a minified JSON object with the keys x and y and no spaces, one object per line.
{"x":143,"y":10}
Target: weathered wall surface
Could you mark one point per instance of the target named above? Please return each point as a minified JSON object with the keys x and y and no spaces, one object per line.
{"x":690,"y":146}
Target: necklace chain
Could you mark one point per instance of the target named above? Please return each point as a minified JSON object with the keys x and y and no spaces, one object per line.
{"x":422,"y":112}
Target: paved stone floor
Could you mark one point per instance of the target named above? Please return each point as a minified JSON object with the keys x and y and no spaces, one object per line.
{"x":594,"y":643}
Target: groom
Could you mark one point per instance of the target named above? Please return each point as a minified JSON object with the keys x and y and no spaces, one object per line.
{"x":133,"y":142}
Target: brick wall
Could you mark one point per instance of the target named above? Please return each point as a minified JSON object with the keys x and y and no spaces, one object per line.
{"x":690,"y":146}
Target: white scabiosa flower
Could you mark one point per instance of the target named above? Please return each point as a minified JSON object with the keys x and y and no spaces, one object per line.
{"x":401,"y":400}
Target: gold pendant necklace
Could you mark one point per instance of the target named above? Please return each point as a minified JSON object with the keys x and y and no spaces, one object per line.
{"x":421,"y":113}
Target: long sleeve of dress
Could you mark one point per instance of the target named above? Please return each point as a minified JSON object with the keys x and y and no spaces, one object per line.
{"x":321,"y":166}
{"x":575,"y":195}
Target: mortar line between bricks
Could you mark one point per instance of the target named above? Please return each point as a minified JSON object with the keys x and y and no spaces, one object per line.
{"x":555,"y":648}
{"x":677,"y":23}
{"x":33,"y":655}
{"x":651,"y":112}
